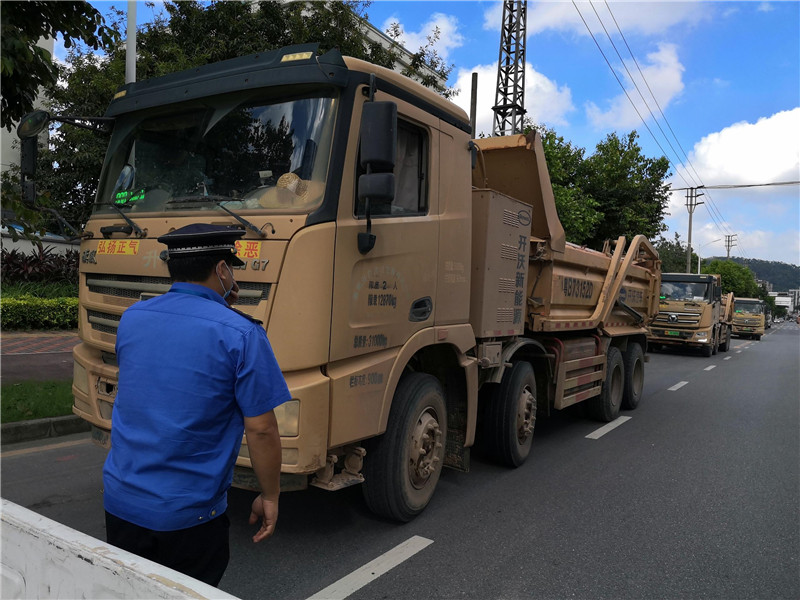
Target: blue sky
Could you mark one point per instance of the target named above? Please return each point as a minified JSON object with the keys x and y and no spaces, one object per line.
{"x":725,"y":74}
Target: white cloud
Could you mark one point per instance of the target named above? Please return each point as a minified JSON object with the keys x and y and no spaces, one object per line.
{"x":633,"y":17}
{"x":449,"y":35}
{"x":765,"y":7}
{"x":664,"y":74}
{"x":545,"y":100}
{"x":762,"y":152}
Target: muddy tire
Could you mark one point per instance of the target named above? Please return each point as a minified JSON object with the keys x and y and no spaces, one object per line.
{"x":725,"y":345}
{"x":511,"y":416}
{"x":402,"y":467}
{"x":715,"y":345}
{"x":633,"y":361}
{"x":605,"y":407}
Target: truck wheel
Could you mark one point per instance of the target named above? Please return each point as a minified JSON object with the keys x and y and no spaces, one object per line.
{"x":726,"y":343}
{"x":757,"y":337}
{"x":708,"y":350}
{"x":605,"y":407}
{"x":402,"y":467}
{"x":633,"y":362}
{"x":511,"y":416}
{"x":715,"y":344}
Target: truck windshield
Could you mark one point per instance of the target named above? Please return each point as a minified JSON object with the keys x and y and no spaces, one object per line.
{"x":248,"y":153}
{"x":754,"y":308}
{"x":680,"y":290}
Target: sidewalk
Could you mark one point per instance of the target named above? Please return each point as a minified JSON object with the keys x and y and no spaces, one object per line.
{"x":38,"y":356}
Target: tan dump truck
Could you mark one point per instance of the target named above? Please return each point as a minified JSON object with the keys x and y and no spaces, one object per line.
{"x":726,"y":321}
{"x":748,"y":317}
{"x":415,"y":285}
{"x":690,"y":314}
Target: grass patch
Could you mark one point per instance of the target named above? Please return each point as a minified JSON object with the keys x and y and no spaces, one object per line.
{"x":35,"y":400}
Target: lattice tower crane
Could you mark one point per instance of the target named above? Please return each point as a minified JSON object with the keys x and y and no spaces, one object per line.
{"x":509,"y":108}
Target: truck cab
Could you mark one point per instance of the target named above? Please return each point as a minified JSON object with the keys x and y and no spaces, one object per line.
{"x":689,"y":313}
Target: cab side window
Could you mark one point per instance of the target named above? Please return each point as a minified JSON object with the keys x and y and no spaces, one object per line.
{"x":410,"y":176}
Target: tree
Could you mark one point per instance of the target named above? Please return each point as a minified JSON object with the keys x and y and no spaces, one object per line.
{"x":577,"y":210}
{"x":735,"y":278}
{"x":25,"y":67}
{"x":673,"y":255}
{"x":191,"y":34}
{"x":629,"y":188}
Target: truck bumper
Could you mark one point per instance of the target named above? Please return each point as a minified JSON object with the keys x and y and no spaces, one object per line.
{"x":303,"y":424}
{"x":695,"y":338}
{"x":302,"y":421}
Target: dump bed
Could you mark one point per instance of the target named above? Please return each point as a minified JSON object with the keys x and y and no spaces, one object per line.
{"x":567,"y":287}
{"x":726,"y":308}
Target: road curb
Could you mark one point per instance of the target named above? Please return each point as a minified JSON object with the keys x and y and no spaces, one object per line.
{"x":36,"y":429}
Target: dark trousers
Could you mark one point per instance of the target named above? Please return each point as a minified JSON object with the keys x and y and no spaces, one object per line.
{"x":201,"y":551}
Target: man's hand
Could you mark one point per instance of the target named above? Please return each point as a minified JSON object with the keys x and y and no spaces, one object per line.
{"x":267,"y":511}
{"x":233,"y":297}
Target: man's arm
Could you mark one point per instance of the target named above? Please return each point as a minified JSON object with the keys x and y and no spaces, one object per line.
{"x":264,"y":445}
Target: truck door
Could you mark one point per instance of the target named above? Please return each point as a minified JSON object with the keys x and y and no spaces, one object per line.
{"x":385,"y":296}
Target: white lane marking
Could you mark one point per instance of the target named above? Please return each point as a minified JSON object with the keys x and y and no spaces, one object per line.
{"x":598,"y":433}
{"x":677,"y":386}
{"x":372,"y":570}
{"x":727,"y":358}
{"x":738,"y":352}
{"x":710,"y":367}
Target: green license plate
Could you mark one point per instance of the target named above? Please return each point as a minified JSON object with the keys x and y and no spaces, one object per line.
{"x":673,"y":333}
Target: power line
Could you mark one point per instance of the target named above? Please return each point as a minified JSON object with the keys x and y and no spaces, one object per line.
{"x":660,"y":110}
{"x":633,"y":81}
{"x":626,"y":92}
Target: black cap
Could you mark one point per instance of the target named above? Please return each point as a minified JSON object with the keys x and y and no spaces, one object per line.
{"x":202,"y":238}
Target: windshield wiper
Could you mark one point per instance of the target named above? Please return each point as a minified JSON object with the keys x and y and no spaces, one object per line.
{"x":132,"y":227}
{"x":218,"y":199}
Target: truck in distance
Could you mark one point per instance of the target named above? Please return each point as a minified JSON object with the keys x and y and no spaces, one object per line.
{"x":748,"y":317}
{"x":415,"y":284}
{"x":690,"y":314}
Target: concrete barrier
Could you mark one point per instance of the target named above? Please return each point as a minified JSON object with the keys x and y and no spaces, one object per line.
{"x":44,"y":559}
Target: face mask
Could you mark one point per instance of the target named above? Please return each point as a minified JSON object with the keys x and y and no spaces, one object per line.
{"x":227,"y":293}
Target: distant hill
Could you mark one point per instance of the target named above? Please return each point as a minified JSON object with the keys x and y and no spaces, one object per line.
{"x":782,"y":276}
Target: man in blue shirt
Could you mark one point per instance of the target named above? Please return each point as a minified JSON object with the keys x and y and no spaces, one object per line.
{"x":194,"y":374}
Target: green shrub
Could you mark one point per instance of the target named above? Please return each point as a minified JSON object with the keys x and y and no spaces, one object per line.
{"x":42,"y":264}
{"x":40,"y":289}
{"x":29,"y":312}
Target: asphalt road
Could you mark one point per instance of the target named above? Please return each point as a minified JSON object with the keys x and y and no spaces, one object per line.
{"x":696,"y":495}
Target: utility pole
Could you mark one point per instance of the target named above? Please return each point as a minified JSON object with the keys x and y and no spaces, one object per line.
{"x":691,"y":204}
{"x":509,"y":103}
{"x":730,"y":242}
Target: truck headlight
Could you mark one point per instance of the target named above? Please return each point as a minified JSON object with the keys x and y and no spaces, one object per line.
{"x":702,"y":335}
{"x":288,"y":416}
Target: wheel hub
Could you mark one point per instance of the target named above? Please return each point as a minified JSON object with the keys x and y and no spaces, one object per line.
{"x":526,"y":414}
{"x":426,"y":440}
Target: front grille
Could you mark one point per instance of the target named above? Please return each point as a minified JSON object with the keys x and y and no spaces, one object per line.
{"x":103,"y":322}
{"x":134,"y":287}
{"x":663,"y":318}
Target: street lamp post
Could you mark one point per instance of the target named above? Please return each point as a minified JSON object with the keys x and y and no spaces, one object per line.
{"x":699,"y":260}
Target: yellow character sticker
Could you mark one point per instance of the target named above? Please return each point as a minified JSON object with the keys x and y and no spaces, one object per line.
{"x":118,"y":247}
{"x":248,"y":249}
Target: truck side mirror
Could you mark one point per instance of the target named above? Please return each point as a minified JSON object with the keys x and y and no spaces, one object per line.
{"x":378,"y":136}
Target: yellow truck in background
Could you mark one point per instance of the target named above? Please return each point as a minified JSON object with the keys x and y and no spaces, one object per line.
{"x":691,"y":314}
{"x":748,"y":317}
{"x":415,"y":284}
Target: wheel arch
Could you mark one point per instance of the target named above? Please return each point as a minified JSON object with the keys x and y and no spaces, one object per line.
{"x":457,"y":373}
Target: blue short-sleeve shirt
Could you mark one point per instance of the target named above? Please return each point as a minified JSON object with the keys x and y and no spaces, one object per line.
{"x":190,"y":370}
